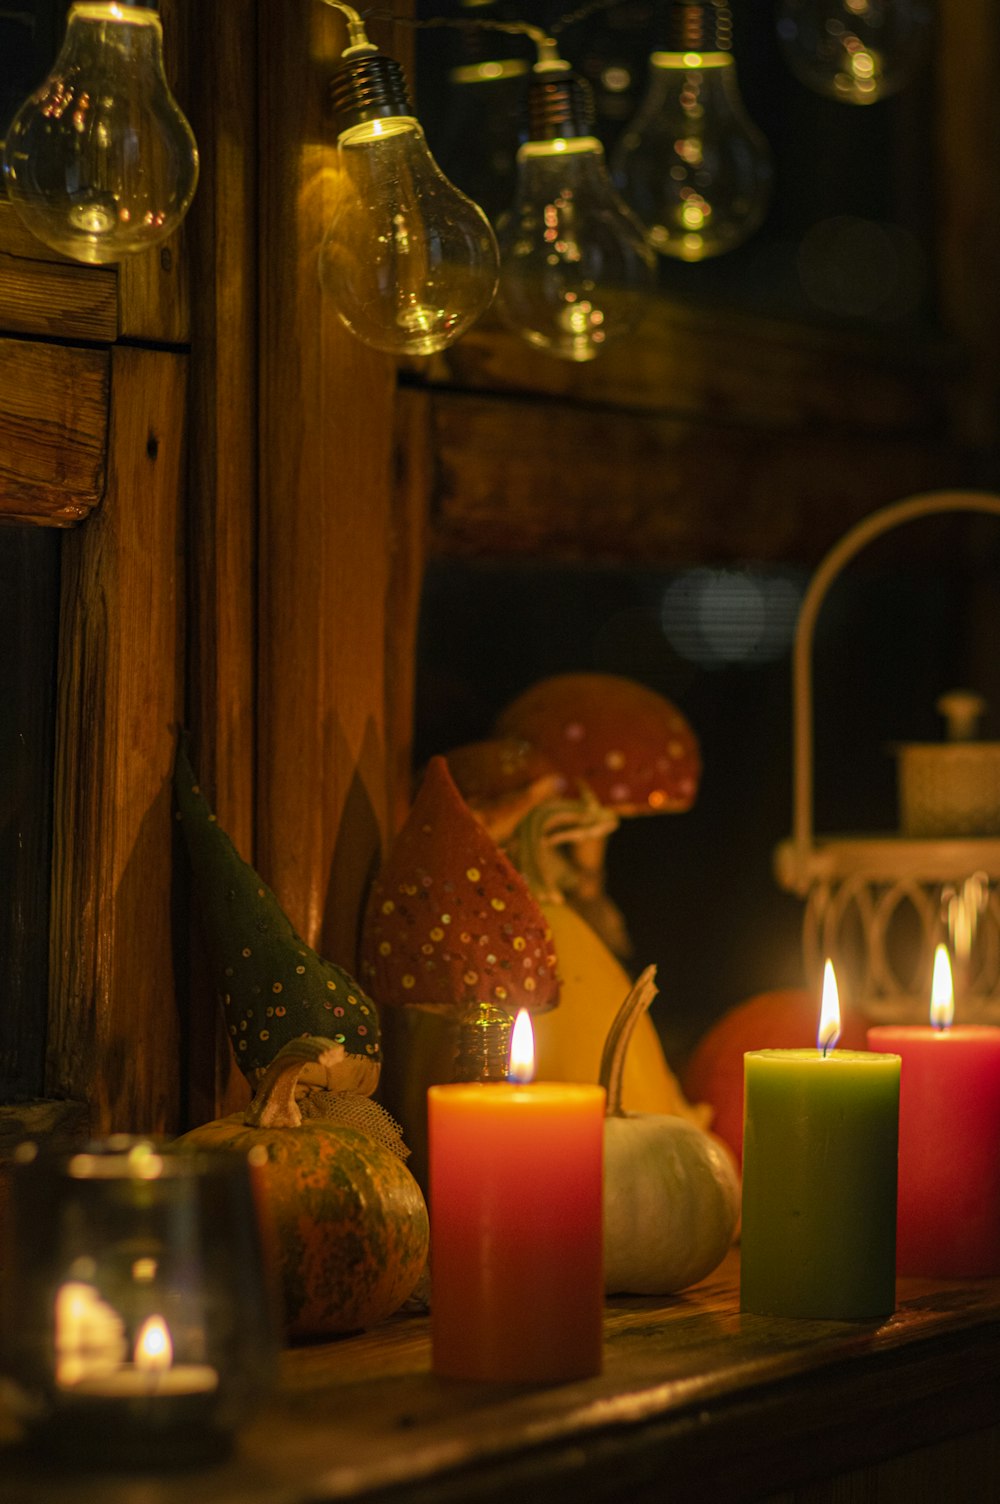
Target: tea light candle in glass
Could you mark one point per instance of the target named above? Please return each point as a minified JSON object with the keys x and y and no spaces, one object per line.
{"x":140,"y":1324}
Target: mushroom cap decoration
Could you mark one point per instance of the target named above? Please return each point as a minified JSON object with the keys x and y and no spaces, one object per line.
{"x":450,"y":921}
{"x":273,"y":986}
{"x":501,"y":779}
{"x":626,"y":743}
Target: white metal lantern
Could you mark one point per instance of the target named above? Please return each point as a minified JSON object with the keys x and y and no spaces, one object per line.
{"x":878,"y":904}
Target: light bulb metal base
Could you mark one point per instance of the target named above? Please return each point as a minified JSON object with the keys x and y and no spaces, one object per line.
{"x":560,"y":105}
{"x":368,"y":86}
{"x":699,"y":26}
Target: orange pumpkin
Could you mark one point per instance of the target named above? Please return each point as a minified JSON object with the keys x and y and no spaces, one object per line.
{"x":349,"y":1221}
{"x":784,"y":1019}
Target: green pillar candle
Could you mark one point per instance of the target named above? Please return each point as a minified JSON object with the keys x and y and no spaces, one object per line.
{"x":820,"y":1151}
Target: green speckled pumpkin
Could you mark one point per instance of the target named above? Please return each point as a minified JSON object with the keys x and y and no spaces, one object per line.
{"x":349,"y":1220}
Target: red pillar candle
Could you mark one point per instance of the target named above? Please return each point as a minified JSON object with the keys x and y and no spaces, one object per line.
{"x":515,"y":1188}
{"x":949,"y":1140}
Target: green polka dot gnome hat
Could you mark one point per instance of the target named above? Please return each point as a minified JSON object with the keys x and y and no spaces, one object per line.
{"x":273,"y":986}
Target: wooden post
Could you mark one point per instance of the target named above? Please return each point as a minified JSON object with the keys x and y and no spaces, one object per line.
{"x":326,"y":424}
{"x":113,"y":1024}
{"x":222,"y":516}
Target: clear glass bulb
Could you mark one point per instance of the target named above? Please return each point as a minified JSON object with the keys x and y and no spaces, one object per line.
{"x":100,"y":162}
{"x":409,"y":262}
{"x":692,"y":164}
{"x":856,"y":51}
{"x":575,"y":268}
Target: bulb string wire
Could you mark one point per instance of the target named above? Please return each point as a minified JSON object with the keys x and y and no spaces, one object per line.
{"x":542,"y":37}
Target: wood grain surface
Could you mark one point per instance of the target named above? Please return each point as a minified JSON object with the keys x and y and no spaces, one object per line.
{"x":524,"y":479}
{"x":113,"y":1019}
{"x":696,"y":1402}
{"x":54,"y":420}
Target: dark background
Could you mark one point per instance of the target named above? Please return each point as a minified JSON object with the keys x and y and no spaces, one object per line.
{"x":911,"y":618}
{"x":853,"y":187}
{"x":844,"y":246}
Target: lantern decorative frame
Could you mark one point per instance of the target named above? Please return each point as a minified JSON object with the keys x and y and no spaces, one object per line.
{"x":861,"y":890}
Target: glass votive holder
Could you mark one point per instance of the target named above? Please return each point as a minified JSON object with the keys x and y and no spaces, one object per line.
{"x":139,"y":1316}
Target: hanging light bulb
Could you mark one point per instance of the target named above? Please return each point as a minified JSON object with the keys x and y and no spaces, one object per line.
{"x":692,"y":164}
{"x":856,"y":51}
{"x":100,"y":162}
{"x":408,"y":261}
{"x":575,"y":268}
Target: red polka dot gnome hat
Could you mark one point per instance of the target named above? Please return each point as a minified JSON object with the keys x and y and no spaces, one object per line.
{"x":450,"y":921}
{"x":273,"y":986}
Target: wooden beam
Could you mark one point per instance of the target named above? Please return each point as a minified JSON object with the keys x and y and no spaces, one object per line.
{"x":222,"y":550}
{"x":113,"y":1021}
{"x":725,"y":366}
{"x":325,"y":516}
{"x":527,"y":479}
{"x":53,"y":422}
{"x":44,"y":293}
{"x":154,"y":288}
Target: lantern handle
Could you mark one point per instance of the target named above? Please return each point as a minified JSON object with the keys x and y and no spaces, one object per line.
{"x":795,"y":856}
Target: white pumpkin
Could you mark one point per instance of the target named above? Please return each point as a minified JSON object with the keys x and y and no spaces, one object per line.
{"x":671,"y":1203}
{"x":671,"y":1191}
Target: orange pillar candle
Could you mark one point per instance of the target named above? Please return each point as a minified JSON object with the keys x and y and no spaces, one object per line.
{"x":515,"y":1187}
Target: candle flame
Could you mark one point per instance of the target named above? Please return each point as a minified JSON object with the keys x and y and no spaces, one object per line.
{"x":942,"y":990}
{"x":154,"y":1350}
{"x":829,"y":1014}
{"x":522,"y":1049}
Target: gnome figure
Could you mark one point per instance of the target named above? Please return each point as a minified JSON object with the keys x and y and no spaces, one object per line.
{"x":273,"y":986}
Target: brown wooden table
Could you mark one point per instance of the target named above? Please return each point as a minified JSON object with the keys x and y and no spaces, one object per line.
{"x":696,"y":1402}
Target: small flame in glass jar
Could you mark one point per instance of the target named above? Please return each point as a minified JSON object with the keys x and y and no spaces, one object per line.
{"x":153,"y":1348}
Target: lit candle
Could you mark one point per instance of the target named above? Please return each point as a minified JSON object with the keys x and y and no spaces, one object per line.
{"x":138,"y":1326}
{"x":515,"y":1189}
{"x":819,"y":1178}
{"x":949,"y":1139}
{"x":89,"y":1370}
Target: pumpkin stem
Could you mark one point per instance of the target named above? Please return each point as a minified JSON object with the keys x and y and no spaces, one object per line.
{"x":549,"y":825}
{"x":612,"y":1072}
{"x":274,"y":1104}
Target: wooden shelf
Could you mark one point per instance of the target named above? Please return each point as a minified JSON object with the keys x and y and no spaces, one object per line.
{"x":696,"y":1402}
{"x":707,"y":435}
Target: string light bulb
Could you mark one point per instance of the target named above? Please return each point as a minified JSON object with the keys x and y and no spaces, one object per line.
{"x":408,"y":261}
{"x":575,"y":268}
{"x":692,"y":164}
{"x":854,"y":51}
{"x":100,"y":162}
